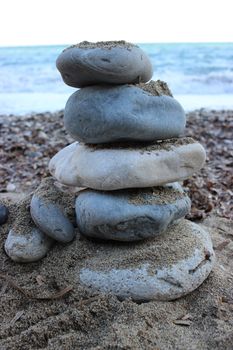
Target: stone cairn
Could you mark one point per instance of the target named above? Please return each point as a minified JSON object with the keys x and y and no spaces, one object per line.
{"x":128,"y":157}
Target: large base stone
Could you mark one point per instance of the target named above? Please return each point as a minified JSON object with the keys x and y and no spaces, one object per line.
{"x":130,"y":215}
{"x":117,"y":166}
{"x":165,"y":268}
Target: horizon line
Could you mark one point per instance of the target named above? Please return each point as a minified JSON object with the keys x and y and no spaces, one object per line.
{"x":138,"y":43}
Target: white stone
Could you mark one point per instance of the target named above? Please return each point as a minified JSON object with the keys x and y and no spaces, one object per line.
{"x":164,"y":268}
{"x":116,"y":167}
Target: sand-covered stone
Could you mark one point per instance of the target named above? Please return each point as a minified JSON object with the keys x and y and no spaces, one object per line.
{"x":25,"y":242}
{"x":164,"y":268}
{"x":118,"y":166}
{"x":112,"y":62}
{"x":50,"y":210}
{"x":130,"y":215}
{"x":99,"y":114}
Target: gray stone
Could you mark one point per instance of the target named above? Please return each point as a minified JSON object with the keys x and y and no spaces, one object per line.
{"x":164,"y":268}
{"x":100,"y":114}
{"x":117,"y":166}
{"x":31,"y":245}
{"x":107,"y":62}
{"x":130,"y":215}
{"x":25,"y":242}
{"x":50,"y":209}
{"x":4,"y":213}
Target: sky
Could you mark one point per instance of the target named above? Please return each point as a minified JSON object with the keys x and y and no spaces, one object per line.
{"x":52,"y":22}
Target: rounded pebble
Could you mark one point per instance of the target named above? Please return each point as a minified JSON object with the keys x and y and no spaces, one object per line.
{"x":130,"y":215}
{"x":25,"y":242}
{"x":49,"y":210}
{"x":105,"y":62}
{"x":112,"y":167}
{"x":31,"y":245}
{"x":101,"y":114}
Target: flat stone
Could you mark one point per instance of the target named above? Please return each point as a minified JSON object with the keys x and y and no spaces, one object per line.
{"x":4,"y":213}
{"x":164,"y":268}
{"x":25,"y":242}
{"x":104,"y":62}
{"x":50,"y":208}
{"x":118,"y":166}
{"x":130,"y":215}
{"x":99,"y":114}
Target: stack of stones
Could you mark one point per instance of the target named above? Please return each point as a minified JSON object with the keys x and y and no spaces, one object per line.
{"x":128,"y":155}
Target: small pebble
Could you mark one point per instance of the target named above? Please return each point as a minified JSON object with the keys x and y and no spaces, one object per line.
{"x":4,"y":213}
{"x":25,"y":242}
{"x":50,"y":209}
{"x":11,"y":187}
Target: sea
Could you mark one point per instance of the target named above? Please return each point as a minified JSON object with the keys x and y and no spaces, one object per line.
{"x":199,"y":75}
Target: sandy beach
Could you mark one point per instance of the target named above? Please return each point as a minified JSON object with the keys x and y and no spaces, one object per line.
{"x":42,"y":305}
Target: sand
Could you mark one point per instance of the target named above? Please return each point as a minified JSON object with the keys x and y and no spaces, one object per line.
{"x":156,"y":88}
{"x":80,"y":319}
{"x":102,"y":45}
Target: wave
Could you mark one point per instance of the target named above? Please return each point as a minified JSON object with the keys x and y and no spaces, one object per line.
{"x":189,"y":69}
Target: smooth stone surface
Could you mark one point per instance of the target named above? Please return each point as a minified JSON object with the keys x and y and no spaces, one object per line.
{"x":4,"y":213}
{"x":27,"y":246}
{"x":49,"y":208}
{"x":120,"y":63}
{"x":25,"y":242}
{"x":165,"y":268}
{"x":113,"y":167}
{"x":99,"y":114}
{"x":130,"y":215}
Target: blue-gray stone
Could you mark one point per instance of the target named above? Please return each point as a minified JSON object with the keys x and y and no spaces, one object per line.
{"x":4,"y":212}
{"x":105,"y":62}
{"x":49,"y":208}
{"x":25,"y":242}
{"x":100,"y":114}
{"x":130,"y":215}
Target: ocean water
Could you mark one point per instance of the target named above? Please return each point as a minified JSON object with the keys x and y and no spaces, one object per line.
{"x":199,"y":75}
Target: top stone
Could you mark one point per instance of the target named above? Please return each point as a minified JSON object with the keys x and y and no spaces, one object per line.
{"x":111,"y":62}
